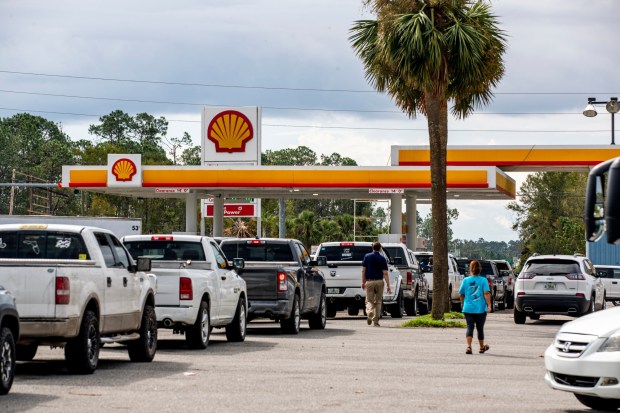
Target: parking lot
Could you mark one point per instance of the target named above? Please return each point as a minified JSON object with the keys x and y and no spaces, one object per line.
{"x":348,"y":367}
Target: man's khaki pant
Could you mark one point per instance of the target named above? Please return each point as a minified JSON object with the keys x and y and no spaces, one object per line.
{"x":374,"y":299}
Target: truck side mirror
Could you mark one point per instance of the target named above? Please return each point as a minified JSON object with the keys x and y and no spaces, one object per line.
{"x":320,"y":261}
{"x":144,"y":264}
{"x":238,"y":264}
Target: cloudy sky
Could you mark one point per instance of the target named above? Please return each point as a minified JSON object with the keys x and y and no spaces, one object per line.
{"x":72,"y":61}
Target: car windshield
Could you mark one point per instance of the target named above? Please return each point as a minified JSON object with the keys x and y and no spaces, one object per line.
{"x":397,"y":255}
{"x":552,"y":267}
{"x":166,"y":250}
{"x":344,"y":252}
{"x":425,"y":262}
{"x":486,"y":269}
{"x":258,"y":251}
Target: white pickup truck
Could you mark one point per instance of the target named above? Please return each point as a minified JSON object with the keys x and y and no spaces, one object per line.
{"x":425,"y":261}
{"x":77,"y":287}
{"x":343,"y":279}
{"x":197,"y":289}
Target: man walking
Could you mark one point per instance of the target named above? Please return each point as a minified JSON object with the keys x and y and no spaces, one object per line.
{"x":374,"y":271}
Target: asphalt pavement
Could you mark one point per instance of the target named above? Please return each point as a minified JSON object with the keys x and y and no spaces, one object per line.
{"x":348,"y":367}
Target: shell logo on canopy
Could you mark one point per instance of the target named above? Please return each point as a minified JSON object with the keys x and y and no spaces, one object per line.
{"x":124,"y":169}
{"x":230,"y":131}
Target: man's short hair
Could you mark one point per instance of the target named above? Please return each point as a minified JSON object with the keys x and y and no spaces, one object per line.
{"x":376,"y":246}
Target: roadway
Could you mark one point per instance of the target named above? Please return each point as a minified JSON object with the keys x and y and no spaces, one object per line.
{"x":348,"y":367}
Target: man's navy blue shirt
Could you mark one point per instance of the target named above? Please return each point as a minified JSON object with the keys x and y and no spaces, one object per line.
{"x":375,"y":265}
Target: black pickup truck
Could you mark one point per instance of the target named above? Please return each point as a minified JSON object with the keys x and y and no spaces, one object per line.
{"x":283,"y":283}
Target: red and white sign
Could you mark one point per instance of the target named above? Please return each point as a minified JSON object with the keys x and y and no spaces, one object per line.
{"x":172,"y":190}
{"x":231,"y":135}
{"x":124,"y":170}
{"x":385,"y":191}
{"x":234,"y":210}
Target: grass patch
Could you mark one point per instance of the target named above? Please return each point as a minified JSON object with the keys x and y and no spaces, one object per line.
{"x":450,"y":321}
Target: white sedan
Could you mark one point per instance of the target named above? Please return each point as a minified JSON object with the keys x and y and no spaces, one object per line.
{"x":584,"y":359}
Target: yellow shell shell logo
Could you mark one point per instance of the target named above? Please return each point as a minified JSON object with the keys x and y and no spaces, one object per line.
{"x":230,"y":131}
{"x":124,"y":169}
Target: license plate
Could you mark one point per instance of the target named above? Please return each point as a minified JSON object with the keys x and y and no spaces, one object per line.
{"x":333,"y":291}
{"x":550,"y":286}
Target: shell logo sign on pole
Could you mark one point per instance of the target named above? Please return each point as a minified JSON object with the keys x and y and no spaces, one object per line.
{"x":124,"y":170}
{"x":231,"y":135}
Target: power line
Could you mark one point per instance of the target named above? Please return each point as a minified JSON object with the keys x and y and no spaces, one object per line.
{"x":176,"y":83}
{"x":334,"y":127}
{"x":163,"y":102}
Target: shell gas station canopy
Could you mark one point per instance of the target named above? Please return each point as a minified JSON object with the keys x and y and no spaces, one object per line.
{"x":473,"y":172}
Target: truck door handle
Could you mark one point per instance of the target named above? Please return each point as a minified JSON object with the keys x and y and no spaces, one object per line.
{"x":223,"y":277}
{"x":614,"y":282}
{"x":109,"y":282}
{"x":124,"y":281}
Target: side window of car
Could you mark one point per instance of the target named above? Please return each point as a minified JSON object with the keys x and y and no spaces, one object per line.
{"x":8,"y":245}
{"x":589,"y":267}
{"x":303,"y":254}
{"x":219,"y":256}
{"x":616,"y":274}
{"x":106,"y":249}
{"x":120,"y":252}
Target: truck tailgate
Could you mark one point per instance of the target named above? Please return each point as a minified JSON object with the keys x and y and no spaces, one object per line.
{"x":33,"y":284}
{"x":261,"y":281}
{"x":168,"y":283}
{"x":343,"y":275}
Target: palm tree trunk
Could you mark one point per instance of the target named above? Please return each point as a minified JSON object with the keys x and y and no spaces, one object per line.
{"x":437,"y":115}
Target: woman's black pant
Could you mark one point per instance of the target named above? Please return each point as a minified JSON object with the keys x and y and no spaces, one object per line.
{"x":475,"y":319}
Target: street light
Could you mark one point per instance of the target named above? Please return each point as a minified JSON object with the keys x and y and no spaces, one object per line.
{"x":612,"y":107}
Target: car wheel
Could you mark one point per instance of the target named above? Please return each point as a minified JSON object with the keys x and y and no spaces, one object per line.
{"x":291,"y":324}
{"x":197,"y":336}
{"x":591,"y":307}
{"x":411,"y":306}
{"x":82,"y":352}
{"x":519,"y":316}
{"x":330,"y":310}
{"x":7,"y":360}
{"x":353,"y":311}
{"x":26,"y":352}
{"x":144,"y":348}
{"x":235,"y":331}
{"x":397,"y":309}
{"x":510,"y":304}
{"x":318,"y":320}
{"x":598,"y":403}
{"x":423,"y":307}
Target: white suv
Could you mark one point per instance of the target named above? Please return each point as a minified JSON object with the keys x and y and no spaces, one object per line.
{"x":557,"y":284}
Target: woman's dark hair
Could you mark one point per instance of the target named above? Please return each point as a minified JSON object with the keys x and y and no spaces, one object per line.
{"x":474,"y":267}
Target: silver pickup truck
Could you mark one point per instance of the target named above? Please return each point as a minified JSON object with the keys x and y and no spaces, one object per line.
{"x":77,"y":287}
{"x":343,"y":278}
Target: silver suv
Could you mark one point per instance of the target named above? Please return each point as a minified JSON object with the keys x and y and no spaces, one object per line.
{"x":557,"y":284}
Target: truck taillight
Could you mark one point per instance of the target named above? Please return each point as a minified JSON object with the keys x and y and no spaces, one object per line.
{"x":409,"y":277}
{"x":63,"y":292}
{"x":347,"y":244}
{"x":282,"y":287}
{"x":185,"y":289}
{"x":162,"y":238}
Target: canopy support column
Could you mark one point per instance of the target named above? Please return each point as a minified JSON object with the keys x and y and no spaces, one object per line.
{"x":191,"y":212}
{"x":218,"y":216}
{"x":411,"y":201}
{"x":396,"y":214}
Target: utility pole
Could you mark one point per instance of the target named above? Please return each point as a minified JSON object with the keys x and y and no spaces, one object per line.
{"x":12,"y":199}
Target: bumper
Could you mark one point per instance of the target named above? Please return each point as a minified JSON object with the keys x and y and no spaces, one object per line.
{"x":53,"y":330}
{"x":552,"y":304}
{"x":584,"y":374}
{"x":183,"y":315}
{"x":338,"y":294}
{"x":273,"y":309}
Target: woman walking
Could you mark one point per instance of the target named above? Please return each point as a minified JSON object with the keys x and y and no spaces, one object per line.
{"x":476,"y":302}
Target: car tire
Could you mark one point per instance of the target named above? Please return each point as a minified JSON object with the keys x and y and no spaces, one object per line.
{"x":397,"y":310}
{"x":423,"y":308}
{"x":598,"y":403}
{"x":197,"y":336}
{"x":519,"y":316}
{"x":235,"y":331}
{"x":510,"y":304}
{"x":318,"y":320}
{"x":26,"y":352}
{"x":411,"y":305}
{"x":143,"y":349}
{"x":353,"y":311}
{"x":7,"y":360}
{"x":330,"y":310}
{"x":291,"y":325}
{"x":82,"y":352}
{"x":590,"y":309}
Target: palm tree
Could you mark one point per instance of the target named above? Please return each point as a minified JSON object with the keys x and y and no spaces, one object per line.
{"x":424,"y":54}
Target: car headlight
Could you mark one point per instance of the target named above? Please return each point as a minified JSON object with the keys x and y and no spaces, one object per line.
{"x":612,"y":343}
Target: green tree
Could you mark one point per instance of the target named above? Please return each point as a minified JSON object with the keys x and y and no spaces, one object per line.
{"x":36,"y":149}
{"x":549,"y":213}
{"x":424,"y":54}
{"x":425,"y":229}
